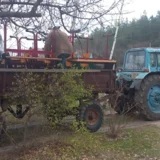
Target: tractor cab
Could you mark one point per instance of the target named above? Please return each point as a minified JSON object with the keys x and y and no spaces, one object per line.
{"x":138,"y":63}
{"x":139,"y":82}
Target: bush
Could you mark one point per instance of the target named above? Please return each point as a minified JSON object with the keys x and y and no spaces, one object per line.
{"x":56,"y":94}
{"x":116,"y":125}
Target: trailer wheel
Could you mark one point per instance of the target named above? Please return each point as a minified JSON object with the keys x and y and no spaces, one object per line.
{"x":2,"y":126}
{"x":148,"y":97}
{"x":92,"y":115}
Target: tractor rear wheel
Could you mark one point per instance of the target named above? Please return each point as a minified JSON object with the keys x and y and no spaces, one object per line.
{"x":148,"y":97}
{"x":92,"y":115}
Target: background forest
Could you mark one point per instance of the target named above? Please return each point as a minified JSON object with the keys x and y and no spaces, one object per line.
{"x":143,"y":32}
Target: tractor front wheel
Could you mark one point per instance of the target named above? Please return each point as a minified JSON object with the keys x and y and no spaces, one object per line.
{"x":148,"y":97}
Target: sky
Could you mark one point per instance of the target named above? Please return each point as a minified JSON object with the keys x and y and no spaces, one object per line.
{"x":136,"y":9}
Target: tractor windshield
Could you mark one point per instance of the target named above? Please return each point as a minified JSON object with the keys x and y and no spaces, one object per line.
{"x":135,"y":60}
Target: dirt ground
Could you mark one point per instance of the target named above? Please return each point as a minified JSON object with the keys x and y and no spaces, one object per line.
{"x":135,"y":120}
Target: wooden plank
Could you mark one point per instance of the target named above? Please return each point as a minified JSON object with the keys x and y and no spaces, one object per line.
{"x":59,"y":59}
{"x":91,"y":60}
{"x":32,"y":58}
{"x":46,"y":70}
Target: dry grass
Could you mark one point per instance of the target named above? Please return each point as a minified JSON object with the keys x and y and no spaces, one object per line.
{"x":140,"y":144}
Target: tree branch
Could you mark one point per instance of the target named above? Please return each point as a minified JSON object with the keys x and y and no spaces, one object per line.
{"x":31,"y":4}
{"x":32,"y":13}
{"x":19,"y":14}
{"x":35,"y":6}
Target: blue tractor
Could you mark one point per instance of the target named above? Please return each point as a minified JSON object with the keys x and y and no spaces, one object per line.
{"x":139,"y":83}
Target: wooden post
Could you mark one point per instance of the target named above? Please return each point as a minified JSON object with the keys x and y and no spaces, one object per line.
{"x":116,"y":33}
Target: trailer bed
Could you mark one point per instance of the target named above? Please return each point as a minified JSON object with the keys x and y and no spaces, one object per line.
{"x":102,"y":80}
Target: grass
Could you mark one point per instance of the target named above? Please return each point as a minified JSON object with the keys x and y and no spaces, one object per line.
{"x":140,"y":141}
{"x":133,"y":144}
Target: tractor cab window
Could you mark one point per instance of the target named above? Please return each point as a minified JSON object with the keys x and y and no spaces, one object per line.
{"x":135,"y":60}
{"x":153,"y":59}
{"x":158,"y":57}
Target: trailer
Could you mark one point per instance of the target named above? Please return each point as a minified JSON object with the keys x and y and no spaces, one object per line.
{"x":103,"y":81}
{"x":98,"y":73}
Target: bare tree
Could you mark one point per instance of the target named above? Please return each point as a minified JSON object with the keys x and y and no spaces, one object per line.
{"x":42,"y":14}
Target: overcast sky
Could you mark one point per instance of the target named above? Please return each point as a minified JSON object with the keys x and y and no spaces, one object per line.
{"x":138,"y":6}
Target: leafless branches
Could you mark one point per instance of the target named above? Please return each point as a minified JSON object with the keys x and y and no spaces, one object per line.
{"x":17,"y":12}
{"x":42,"y":14}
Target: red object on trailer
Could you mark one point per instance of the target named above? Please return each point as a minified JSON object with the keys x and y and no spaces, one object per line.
{"x":87,"y":44}
{"x":31,"y":52}
{"x":18,"y":43}
{"x":50,"y":54}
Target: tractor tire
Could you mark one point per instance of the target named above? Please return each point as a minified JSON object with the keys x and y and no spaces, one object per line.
{"x":2,"y":126}
{"x":92,"y":115}
{"x":148,"y":98}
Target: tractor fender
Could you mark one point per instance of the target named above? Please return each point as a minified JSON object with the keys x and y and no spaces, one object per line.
{"x":151,"y":73}
{"x":137,"y":82}
{"x":138,"y":78}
